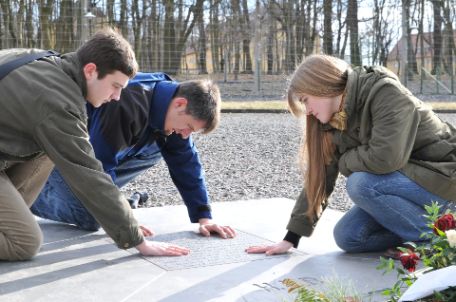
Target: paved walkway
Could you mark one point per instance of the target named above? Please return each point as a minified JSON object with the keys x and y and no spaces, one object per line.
{"x":78,"y":266}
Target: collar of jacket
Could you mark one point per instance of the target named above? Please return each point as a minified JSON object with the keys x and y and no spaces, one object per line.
{"x":72,"y":67}
{"x":161,"y":99}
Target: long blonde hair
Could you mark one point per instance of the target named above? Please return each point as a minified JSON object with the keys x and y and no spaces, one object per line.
{"x":323,"y":76}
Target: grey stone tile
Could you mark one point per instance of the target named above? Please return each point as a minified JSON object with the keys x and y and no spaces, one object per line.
{"x":75,"y":266}
{"x":80,"y":266}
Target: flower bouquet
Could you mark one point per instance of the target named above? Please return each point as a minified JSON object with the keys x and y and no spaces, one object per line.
{"x":435,"y":281}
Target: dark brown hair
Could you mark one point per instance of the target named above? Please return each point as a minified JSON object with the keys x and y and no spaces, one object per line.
{"x":110,"y":52}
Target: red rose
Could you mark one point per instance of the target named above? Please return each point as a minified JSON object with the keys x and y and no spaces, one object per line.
{"x":409,"y":260}
{"x":444,"y":223}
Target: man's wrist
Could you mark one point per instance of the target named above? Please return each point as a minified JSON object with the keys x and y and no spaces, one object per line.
{"x":204,"y":220}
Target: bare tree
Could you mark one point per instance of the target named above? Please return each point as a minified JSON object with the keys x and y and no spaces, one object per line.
{"x":340,"y":49}
{"x":215,"y":34}
{"x":246,"y":38}
{"x":64,"y":29}
{"x":176,"y":32}
{"x":352,"y":22}
{"x":327,"y":27}
{"x":284,"y":14}
{"x":437,"y":36}
{"x":110,"y":9}
{"x":123,"y":18}
{"x":271,"y":36}
{"x":153,"y":38}
{"x":306,"y":20}
{"x":137,"y":21}
{"x":47,"y":30}
{"x":448,"y":33}
{"x":237,"y":32}
{"x":29,"y":26}
{"x":9,"y":35}
{"x":201,"y":39}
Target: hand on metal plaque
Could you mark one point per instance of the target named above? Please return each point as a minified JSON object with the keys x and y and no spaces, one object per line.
{"x":207,"y":227}
{"x":277,"y":248}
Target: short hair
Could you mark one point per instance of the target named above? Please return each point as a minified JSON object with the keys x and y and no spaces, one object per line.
{"x":203,"y":101}
{"x":110,"y":52}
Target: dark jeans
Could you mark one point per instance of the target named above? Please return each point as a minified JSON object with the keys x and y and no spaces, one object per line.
{"x":57,"y":202}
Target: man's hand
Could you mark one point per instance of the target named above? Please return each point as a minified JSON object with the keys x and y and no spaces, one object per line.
{"x":155,"y":248}
{"x":277,"y":248}
{"x":207,"y":227}
{"x":146,"y":231}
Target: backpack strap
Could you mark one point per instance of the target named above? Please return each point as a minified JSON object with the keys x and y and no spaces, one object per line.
{"x":6,"y":68}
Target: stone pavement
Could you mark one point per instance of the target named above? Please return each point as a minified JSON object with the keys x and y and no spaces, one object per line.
{"x":78,"y":266}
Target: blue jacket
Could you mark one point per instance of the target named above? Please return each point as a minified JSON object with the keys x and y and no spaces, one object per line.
{"x":125,"y":130}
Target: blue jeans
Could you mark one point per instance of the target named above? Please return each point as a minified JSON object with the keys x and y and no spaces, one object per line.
{"x":57,"y":202}
{"x":388,"y":211}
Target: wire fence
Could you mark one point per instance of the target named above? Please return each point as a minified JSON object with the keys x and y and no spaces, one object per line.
{"x":249,"y":47}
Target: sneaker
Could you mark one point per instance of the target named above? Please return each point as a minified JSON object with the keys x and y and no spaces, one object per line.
{"x":138,"y":199}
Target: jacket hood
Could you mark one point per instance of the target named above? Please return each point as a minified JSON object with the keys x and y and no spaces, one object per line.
{"x":362,"y":82}
{"x":72,"y":67}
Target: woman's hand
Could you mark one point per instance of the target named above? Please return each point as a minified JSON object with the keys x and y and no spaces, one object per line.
{"x":155,"y":248}
{"x":277,"y":248}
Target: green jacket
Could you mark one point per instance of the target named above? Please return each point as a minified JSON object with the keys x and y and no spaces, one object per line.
{"x":388,"y":129}
{"x":44,"y":111}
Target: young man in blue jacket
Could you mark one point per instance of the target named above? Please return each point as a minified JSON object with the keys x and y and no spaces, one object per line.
{"x":154,"y":118}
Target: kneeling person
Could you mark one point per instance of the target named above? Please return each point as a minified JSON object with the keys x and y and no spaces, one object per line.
{"x":155,"y":118}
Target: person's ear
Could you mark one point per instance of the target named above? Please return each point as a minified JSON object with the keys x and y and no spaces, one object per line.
{"x":180,"y":103}
{"x":90,"y":71}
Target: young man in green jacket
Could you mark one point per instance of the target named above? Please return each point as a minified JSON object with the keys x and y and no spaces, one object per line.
{"x":43,"y":122}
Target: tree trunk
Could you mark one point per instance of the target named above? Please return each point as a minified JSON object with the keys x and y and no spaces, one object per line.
{"x":437,"y":44}
{"x":137,"y":18}
{"x":46,"y":28}
{"x":9,"y":35}
{"x":169,"y":38}
{"x":110,"y":12}
{"x":123,"y":20}
{"x":246,"y":38}
{"x":301,"y":28}
{"x":411,"y":58}
{"x":64,"y":28}
{"x":352,"y":22}
{"x":311,"y":22}
{"x":327,"y":25}
{"x":201,"y":39}
{"x":448,"y":45}
{"x":215,"y":35}
{"x":30,"y":40}
{"x":236,"y":11}
{"x":175,"y":35}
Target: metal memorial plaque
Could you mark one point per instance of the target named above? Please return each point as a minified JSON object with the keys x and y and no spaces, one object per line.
{"x":210,"y":251}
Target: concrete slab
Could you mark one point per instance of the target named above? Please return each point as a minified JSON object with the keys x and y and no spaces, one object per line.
{"x":78,"y":266}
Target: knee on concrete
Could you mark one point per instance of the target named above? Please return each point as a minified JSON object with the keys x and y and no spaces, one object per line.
{"x":26,"y":247}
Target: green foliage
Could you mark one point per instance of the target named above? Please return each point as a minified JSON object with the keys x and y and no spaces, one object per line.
{"x":435,"y":254}
{"x":333,"y":290}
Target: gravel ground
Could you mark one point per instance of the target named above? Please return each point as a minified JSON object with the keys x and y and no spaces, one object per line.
{"x":250,"y":156}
